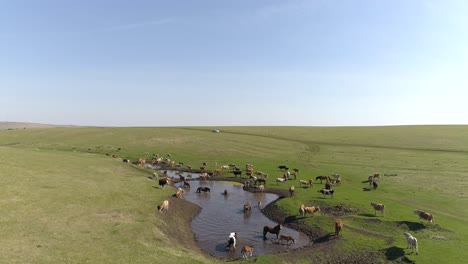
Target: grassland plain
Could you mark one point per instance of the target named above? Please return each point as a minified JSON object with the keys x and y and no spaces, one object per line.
{"x":66,"y":201}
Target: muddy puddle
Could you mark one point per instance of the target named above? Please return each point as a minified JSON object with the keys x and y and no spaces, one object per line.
{"x":222,"y":214}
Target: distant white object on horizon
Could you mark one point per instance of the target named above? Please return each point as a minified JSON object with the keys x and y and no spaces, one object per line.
{"x":215,"y":130}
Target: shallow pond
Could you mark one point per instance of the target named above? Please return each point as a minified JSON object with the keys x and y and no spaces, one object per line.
{"x":221,"y":215}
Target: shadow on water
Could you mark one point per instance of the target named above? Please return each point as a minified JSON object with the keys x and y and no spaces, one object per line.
{"x":413,"y":226}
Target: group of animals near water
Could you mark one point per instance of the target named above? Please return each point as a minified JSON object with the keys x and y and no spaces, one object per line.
{"x":253,"y":181}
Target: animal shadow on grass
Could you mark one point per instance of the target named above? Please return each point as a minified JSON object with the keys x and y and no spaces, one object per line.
{"x":366,"y":189}
{"x":394,"y":253}
{"x":368,"y":215}
{"x":324,"y":238}
{"x":292,"y":218}
{"x":413,"y":226}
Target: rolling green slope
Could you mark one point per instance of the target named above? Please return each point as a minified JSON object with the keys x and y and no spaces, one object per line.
{"x":428,"y":167}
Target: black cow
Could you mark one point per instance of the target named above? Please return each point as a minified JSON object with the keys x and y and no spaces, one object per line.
{"x":163,"y":182}
{"x":237,"y":172}
{"x":327,"y":192}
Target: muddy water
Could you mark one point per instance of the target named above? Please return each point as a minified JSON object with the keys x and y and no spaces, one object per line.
{"x":222,"y":215}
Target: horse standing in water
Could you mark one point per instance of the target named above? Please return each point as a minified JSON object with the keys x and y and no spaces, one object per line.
{"x":271,"y":229}
{"x":232,"y":241}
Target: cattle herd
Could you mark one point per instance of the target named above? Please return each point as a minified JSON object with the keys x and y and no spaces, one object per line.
{"x":258,"y":180}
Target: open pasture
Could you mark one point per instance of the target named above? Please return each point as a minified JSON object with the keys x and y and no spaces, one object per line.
{"x":62,"y":185}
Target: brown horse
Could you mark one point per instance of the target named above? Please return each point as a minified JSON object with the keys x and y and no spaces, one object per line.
{"x":338,"y":227}
{"x":271,"y":229}
{"x":321,"y":178}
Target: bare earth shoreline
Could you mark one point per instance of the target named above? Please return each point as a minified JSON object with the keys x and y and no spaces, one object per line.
{"x":181,"y":213}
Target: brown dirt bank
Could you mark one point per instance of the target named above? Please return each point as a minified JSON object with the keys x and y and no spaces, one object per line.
{"x":181,"y":213}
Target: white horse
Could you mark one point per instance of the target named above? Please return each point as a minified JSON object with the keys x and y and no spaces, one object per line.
{"x":232,"y":241}
{"x":411,"y":242}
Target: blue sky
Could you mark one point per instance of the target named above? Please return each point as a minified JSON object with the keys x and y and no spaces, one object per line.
{"x":223,"y":63}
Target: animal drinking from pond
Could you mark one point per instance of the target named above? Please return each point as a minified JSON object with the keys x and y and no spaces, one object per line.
{"x":271,"y":229}
{"x":247,"y":207}
{"x":286,"y":239}
{"x":203,"y":189}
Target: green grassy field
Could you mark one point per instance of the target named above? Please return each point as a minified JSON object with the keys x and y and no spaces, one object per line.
{"x":65,"y":201}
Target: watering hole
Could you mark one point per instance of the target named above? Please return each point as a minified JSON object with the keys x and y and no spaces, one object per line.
{"x":223,"y":214}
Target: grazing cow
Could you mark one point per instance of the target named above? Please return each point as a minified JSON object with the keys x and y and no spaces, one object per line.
{"x":164,"y":181}
{"x":203,"y":189}
{"x":424,"y":215}
{"x":378,"y":207}
{"x":321,"y":178}
{"x":287,"y":239}
{"x":247,"y":207}
{"x":225,"y":167}
{"x":164,"y":206}
{"x":281,"y":180}
{"x":246,"y":251}
{"x":282,"y":167}
{"x":272,"y":229}
{"x":237,"y":172}
{"x":303,"y":182}
{"x":338,"y":181}
{"x":327,"y":192}
{"x":260,"y":180}
{"x":338,"y":228}
{"x":375,"y":184}
{"x":411,"y":242}
{"x":328,"y":185}
{"x":231,"y":244}
{"x":291,"y":191}
{"x":311,"y":210}
{"x":180,"y":193}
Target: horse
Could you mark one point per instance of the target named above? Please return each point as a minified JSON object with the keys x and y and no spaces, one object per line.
{"x":375,"y":184}
{"x":411,"y":242}
{"x":291,"y":190}
{"x":338,"y":227}
{"x":287,"y":239}
{"x":247,"y":207}
{"x":232,"y":241}
{"x":303,"y":209}
{"x":203,"y":189}
{"x":424,"y":215}
{"x":164,"y":206}
{"x":271,"y":229}
{"x":321,"y":178}
{"x":180,"y":193}
{"x":378,"y":207}
{"x":246,"y":251}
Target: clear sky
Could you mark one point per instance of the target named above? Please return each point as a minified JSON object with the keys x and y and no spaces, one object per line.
{"x":230,"y":63}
